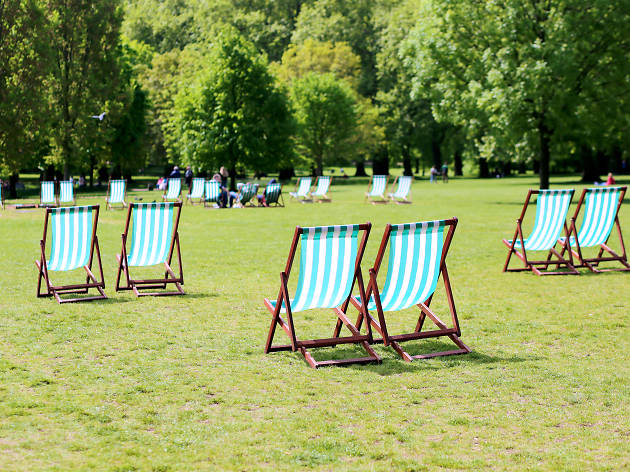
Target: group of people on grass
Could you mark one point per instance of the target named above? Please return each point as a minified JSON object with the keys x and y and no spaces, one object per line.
{"x":434,"y":173}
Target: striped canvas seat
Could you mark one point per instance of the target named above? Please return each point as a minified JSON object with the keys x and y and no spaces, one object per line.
{"x":323,"y":185}
{"x":272,"y":194}
{"x":66,"y":191}
{"x":304,"y":185}
{"x":246,"y":193}
{"x":377,"y":189}
{"x":173,"y":190}
{"x":116,"y":192}
{"x":403,"y":189}
{"x":47,"y":195}
{"x":197,"y":191}
{"x":152,"y":233}
{"x":213,"y":191}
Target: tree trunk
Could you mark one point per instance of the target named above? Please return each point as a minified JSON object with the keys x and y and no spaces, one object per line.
{"x":484,"y":172}
{"x":545,"y":153}
{"x":459,"y":165}
{"x":286,"y":173}
{"x":406,"y":155}
{"x":437,"y":153}
{"x":360,"y":168}
{"x":233,"y":177}
{"x":418,"y":166}
{"x":380,"y":162}
{"x":590,"y":166}
{"x":13,"y":180}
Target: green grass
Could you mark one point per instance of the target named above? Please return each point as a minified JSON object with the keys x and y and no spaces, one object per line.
{"x":182,"y":383}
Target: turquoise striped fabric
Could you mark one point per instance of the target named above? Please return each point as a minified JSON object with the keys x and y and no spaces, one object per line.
{"x":197,"y":189}
{"x":174,"y":189}
{"x":66,"y":191}
{"x":323,"y":183}
{"x":247,"y":192}
{"x":71,"y":237}
{"x":152,"y":233}
{"x":404,"y":185}
{"x":415,"y":253}
{"x":327,"y":259}
{"x":272,"y":193}
{"x":48,"y":192}
{"x":116,"y":191}
{"x":213,"y":191}
{"x":378,"y":186}
{"x":599,"y":216}
{"x":551,"y":214}
{"x":303,"y":187}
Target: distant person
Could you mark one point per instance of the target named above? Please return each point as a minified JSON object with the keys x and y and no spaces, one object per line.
{"x":610,"y":180}
{"x":343,"y":174}
{"x":188,"y":176}
{"x":175,"y":174}
{"x":161,"y":183}
{"x":223,"y":197}
{"x":445,"y":173}
{"x":433,"y":173}
{"x":224,"y":177}
{"x":82,"y":182}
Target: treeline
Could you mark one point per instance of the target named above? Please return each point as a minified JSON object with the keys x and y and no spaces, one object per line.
{"x":269,"y":85}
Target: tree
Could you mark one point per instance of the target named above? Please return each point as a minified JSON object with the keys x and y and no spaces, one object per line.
{"x":234,"y":114}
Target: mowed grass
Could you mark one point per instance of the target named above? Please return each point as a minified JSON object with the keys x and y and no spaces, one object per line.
{"x":182,"y":383}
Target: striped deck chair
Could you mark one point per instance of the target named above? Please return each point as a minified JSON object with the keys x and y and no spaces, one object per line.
{"x":330,"y":264}
{"x":197,"y":191}
{"x":601,"y":213}
{"x":154,"y":238}
{"x":116,"y":191}
{"x":403,"y":190}
{"x":321,"y":192}
{"x":551,"y":214}
{"x":377,"y":187}
{"x":173,"y":190}
{"x":66,"y":192}
{"x":273,"y":195}
{"x":302,"y":189}
{"x":417,"y":258}
{"x":47,"y":194}
{"x":212,"y":194}
{"x":73,"y":244}
{"x":246,"y":194}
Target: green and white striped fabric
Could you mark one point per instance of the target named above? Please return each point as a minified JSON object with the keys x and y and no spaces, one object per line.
{"x":404,"y":185}
{"x":247,"y":192}
{"x":415,"y":253}
{"x":213,"y":191}
{"x":272,"y":193}
{"x":551,"y":214}
{"x":116,"y":191}
{"x":48,"y":192}
{"x":327,"y":262}
{"x":152,"y":233}
{"x":378,"y":186}
{"x":174,"y":189}
{"x":304,"y":185}
{"x":66,"y":191}
{"x":71,"y":237}
{"x":197,"y":189}
{"x":599,"y":216}
{"x":323,"y":183}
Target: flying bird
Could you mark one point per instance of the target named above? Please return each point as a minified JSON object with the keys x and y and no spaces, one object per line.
{"x":99,"y":117}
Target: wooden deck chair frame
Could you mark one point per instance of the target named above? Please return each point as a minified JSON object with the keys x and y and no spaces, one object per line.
{"x":109,"y":205}
{"x":302,"y":198}
{"x":323,"y":198}
{"x":593,"y":262}
{"x":278,"y":202}
{"x":536,"y":266}
{"x":43,"y":204}
{"x":392,"y":195}
{"x":304,"y":345}
{"x":370,"y":198}
{"x":91,"y":280}
{"x":137,"y":285}
{"x":165,"y":194}
{"x":201,"y":198}
{"x":443,"y":330}
{"x":66,"y":183}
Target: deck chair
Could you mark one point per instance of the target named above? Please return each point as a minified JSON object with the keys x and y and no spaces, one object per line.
{"x":212,"y":194}
{"x":378,"y":183}
{"x":601,"y":213}
{"x":66,"y":192}
{"x":330,"y":264}
{"x":246,"y":193}
{"x":153,"y":240}
{"x":417,"y":258}
{"x":73,"y":244}
{"x":116,"y":191}
{"x":273,"y":195}
{"x":47,"y":194}
{"x":551,"y":214}
{"x":403,"y":190}
{"x":321,"y":192}
{"x":197,"y":191}
{"x":302,"y":189}
{"x":173,"y":190}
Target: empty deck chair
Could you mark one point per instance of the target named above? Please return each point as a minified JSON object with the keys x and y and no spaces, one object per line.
{"x":212,"y":194}
{"x":601,"y":213}
{"x":378,"y":183}
{"x":73,"y":244}
{"x":273,"y":195}
{"x":173,"y":190}
{"x":417,"y":258}
{"x":246,"y":193}
{"x":116,"y":191}
{"x":551,"y":214}
{"x":197,"y":191}
{"x":323,"y":186}
{"x":403,"y":190}
{"x":66,"y":192}
{"x":330,"y":264}
{"x":154,"y":239}
{"x":47,"y":194}
{"x":302,"y":188}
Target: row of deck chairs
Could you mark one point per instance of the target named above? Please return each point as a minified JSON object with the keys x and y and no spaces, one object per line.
{"x":330,"y":270}
{"x":49,"y":197}
{"x":400,"y":190}
{"x":208,"y":193}
{"x":151,"y":239}
{"x":601,"y":213}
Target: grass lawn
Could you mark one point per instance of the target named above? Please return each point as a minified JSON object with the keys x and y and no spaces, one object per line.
{"x":182,"y":383}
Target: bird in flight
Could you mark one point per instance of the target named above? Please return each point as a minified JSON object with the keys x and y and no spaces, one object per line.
{"x":99,"y":117}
